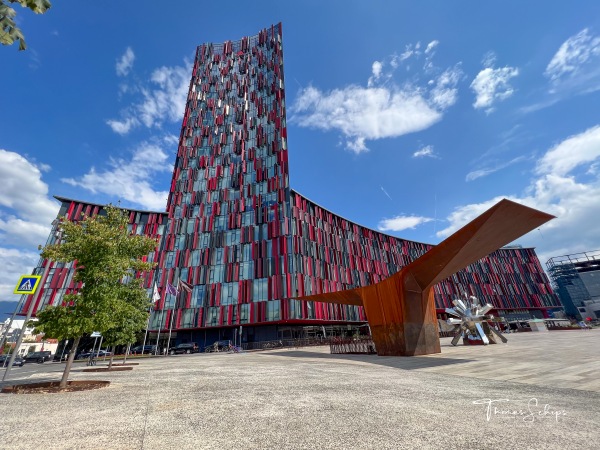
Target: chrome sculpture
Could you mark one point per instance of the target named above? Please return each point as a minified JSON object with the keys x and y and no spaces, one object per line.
{"x":472,"y":321}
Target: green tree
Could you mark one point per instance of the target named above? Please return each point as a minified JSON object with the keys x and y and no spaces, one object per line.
{"x":106,"y":259}
{"x":128,"y":321}
{"x":9,"y":31}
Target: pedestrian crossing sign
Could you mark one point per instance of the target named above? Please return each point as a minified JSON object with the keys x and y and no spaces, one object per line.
{"x":27,"y":284}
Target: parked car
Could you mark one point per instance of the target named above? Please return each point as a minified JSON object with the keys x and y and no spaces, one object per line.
{"x":19,"y":361}
{"x":190,"y":347}
{"x":39,"y":357}
{"x":147,"y":349}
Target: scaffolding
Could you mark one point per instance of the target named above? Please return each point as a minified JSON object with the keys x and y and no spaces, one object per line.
{"x":565,"y":275}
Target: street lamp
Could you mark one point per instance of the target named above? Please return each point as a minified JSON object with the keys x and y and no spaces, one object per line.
{"x":34,"y":301}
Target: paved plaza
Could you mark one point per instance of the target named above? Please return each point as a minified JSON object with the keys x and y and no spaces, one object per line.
{"x":544,"y":391}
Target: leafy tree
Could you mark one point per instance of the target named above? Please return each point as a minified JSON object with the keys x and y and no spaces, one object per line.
{"x":9,"y":31}
{"x":128,"y":321}
{"x":111,"y":300}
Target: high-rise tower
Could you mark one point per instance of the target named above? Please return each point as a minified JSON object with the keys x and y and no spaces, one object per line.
{"x":244,"y":244}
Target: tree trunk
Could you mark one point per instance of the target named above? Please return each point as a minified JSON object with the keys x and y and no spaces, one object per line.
{"x":126,"y":353}
{"x":65,"y":377}
{"x":112,"y":355}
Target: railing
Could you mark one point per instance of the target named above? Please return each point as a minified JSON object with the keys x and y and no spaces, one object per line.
{"x":352,"y":345}
{"x":286,"y":343}
{"x":361,"y":344}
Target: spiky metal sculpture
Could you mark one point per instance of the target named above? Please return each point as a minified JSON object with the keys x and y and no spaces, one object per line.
{"x":472,"y":321}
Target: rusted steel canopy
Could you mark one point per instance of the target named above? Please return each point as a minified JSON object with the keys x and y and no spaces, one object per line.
{"x":401,"y":308}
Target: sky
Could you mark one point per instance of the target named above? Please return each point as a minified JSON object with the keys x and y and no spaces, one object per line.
{"x":411,"y":118}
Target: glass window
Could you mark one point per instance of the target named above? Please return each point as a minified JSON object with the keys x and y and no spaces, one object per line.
{"x":198,"y":295}
{"x":212,"y":316}
{"x":170,"y":260}
{"x":190,"y":226}
{"x":273,"y":309}
{"x":216,"y":274}
{"x":260,"y":289}
{"x":195,"y":258}
{"x":244,"y":313}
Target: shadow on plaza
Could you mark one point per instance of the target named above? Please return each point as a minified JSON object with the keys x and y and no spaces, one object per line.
{"x":398,"y":362}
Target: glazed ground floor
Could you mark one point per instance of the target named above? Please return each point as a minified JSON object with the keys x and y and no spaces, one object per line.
{"x":249,"y":335}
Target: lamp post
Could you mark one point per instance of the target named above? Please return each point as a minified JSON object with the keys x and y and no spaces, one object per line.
{"x":63,"y":350}
{"x":34,"y":301}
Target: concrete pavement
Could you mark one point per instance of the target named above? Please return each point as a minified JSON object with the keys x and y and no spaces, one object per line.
{"x":307,"y":398}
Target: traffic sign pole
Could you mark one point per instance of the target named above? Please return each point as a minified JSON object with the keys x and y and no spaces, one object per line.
{"x":22,"y":333}
{"x":34,"y":301}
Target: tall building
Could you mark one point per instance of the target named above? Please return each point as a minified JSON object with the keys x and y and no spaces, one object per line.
{"x":244,"y":245}
{"x":576,"y":279}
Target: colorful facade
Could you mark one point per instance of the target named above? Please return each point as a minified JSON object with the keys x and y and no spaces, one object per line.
{"x":248,"y":245}
{"x":57,"y":280}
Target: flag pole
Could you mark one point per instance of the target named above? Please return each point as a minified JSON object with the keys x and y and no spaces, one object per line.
{"x":173,"y":313}
{"x":155,"y":298}
{"x":171,"y":325}
{"x":146,"y":334}
{"x":162,"y":313}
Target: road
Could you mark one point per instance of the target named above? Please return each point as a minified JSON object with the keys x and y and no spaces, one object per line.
{"x":35,"y":369}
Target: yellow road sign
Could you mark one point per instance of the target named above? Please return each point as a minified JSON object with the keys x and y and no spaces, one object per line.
{"x":27,"y":284}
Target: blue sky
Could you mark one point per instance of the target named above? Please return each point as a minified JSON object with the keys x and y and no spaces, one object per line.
{"x":407,"y":117}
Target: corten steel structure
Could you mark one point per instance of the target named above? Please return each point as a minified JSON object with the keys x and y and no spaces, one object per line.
{"x":250,"y":246}
{"x":401,"y":309}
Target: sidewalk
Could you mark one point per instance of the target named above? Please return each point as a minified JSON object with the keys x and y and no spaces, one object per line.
{"x":307,"y":398}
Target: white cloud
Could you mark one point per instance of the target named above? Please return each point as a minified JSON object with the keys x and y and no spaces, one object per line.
{"x":489,"y":59}
{"x":428,"y":66}
{"x":426,"y":151}
{"x":123,"y":126}
{"x":557,"y":189}
{"x":163,"y":100}
{"x":131,"y":179}
{"x":379,"y":110}
{"x":15,"y":262}
{"x":572,"y":55}
{"x":582,"y":149}
{"x":377,"y":66}
{"x":376,"y":69}
{"x":431,"y":46}
{"x":364,"y":113}
{"x":492,"y":85}
{"x":125,"y":62}
{"x":444,"y":93}
{"x":26,"y":212}
{"x":573,"y":70}
{"x":480,"y":173}
{"x":400,"y":223}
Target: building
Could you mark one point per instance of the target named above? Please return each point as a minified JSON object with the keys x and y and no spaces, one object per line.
{"x":576,"y":279}
{"x":57,"y":278}
{"x":241,"y":244}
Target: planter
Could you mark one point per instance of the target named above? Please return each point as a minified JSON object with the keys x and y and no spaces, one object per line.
{"x":52,"y":387}
{"x":106,"y":369}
